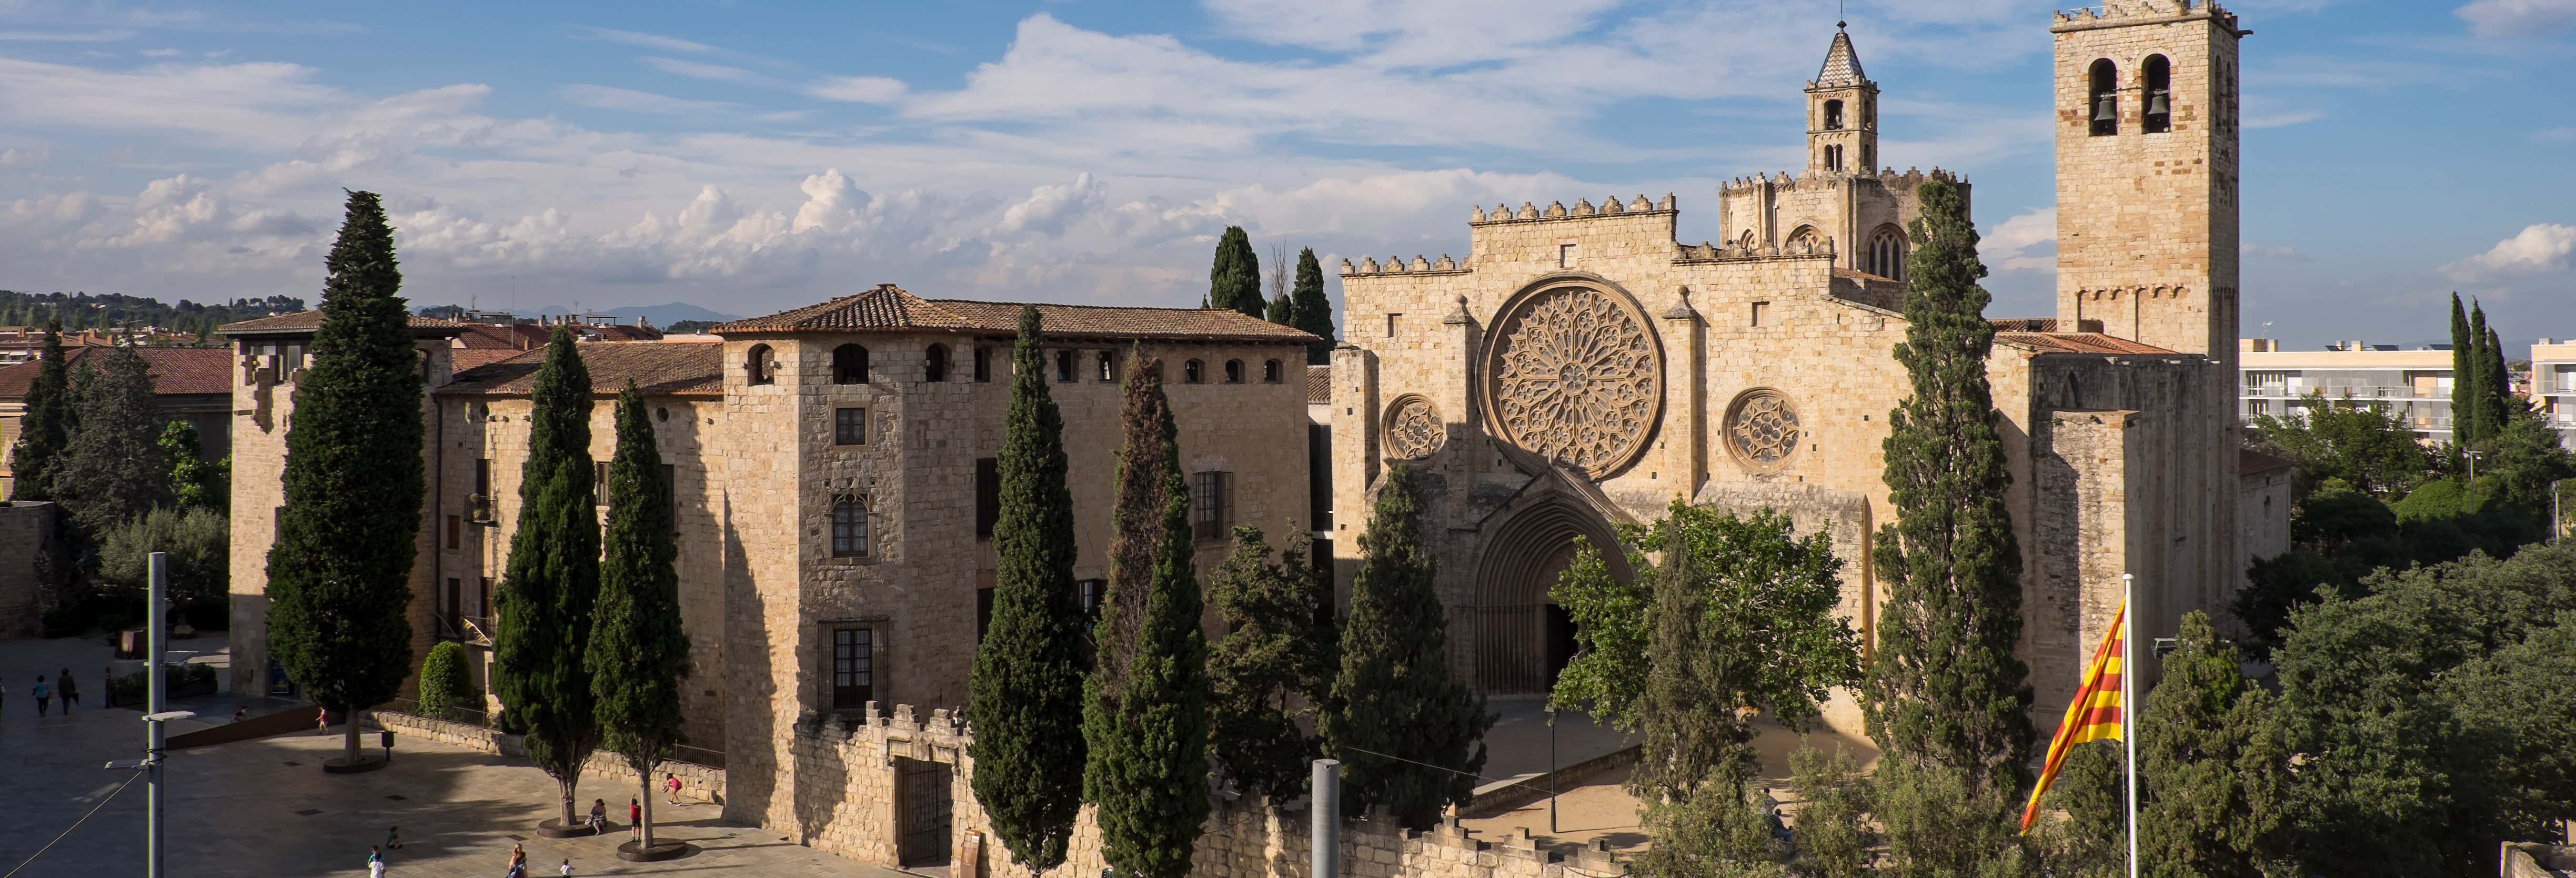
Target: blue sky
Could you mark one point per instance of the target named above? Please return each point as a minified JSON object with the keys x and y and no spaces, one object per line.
{"x":752,"y":157}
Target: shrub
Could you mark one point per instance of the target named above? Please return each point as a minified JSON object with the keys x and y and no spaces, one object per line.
{"x":446,"y":687}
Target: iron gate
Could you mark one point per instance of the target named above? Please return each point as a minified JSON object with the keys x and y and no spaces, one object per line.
{"x":923,"y":804}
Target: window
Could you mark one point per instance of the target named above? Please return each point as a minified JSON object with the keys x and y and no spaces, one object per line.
{"x":1868,"y":157}
{"x":1064,"y":367}
{"x":854,"y":668}
{"x":1565,"y":256}
{"x":1234,"y":371}
{"x":599,"y":482}
{"x":935,"y":364}
{"x":849,"y":364}
{"x":1211,"y":505}
{"x":1108,"y":366}
{"x":1802,"y":240}
{"x":2259,"y":407}
{"x":1193,"y":372}
{"x":1833,"y":115}
{"x":1390,"y":324}
{"x":2158,"y":118}
{"x":1761,"y":312}
{"x":983,"y":365}
{"x":455,"y":532}
{"x":1887,"y":253}
{"x":482,"y":499}
{"x":1271,"y":373}
{"x":849,"y":528}
{"x":850,"y":426}
{"x":1834,"y":157}
{"x":759,"y":366}
{"x":1319,"y":476}
{"x":1090,"y":594}
{"x":988,"y":496}
{"x":2103,"y":94}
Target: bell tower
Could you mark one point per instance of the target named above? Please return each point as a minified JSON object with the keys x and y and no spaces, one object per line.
{"x":2146,"y":134}
{"x":1842,"y":113}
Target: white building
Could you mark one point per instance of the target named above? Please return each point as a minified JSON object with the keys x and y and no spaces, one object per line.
{"x":2553,"y":385}
{"x":2415,"y":384}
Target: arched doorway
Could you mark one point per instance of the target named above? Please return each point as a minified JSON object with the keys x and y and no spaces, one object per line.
{"x":1514,"y":637}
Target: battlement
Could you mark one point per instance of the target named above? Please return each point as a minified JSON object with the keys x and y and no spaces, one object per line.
{"x":1397,"y":265}
{"x":1888,"y":177}
{"x":1707,"y":252}
{"x":2127,"y":12}
{"x":1583,"y":208}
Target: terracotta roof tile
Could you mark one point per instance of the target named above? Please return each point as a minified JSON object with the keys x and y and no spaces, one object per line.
{"x":672,"y":368}
{"x":2040,"y":324}
{"x":462,"y":359}
{"x":307,"y":321}
{"x":175,"y":371}
{"x":514,"y":337}
{"x":1319,"y":384}
{"x":889,"y":308}
{"x":2078,"y":343}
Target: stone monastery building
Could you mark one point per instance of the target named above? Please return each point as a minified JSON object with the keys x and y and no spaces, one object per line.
{"x":1577,"y":370}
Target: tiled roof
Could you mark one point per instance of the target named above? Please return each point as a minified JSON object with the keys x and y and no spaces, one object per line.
{"x":462,"y":359}
{"x":308,"y":321}
{"x":2250,"y":461}
{"x":889,"y":308}
{"x":2040,"y":324}
{"x":1319,"y":384}
{"x":2078,"y":343}
{"x":674,"y":368}
{"x":175,"y":371}
{"x":514,"y":337}
{"x":1842,"y":65}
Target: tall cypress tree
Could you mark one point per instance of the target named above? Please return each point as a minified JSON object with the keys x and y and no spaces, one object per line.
{"x":1137,"y":537}
{"x":1411,"y":737}
{"x":2498,"y":385}
{"x":1314,"y":310}
{"x":638,"y":652}
{"x":1948,"y":691}
{"x":2464,"y":382}
{"x":1234,"y":278}
{"x":47,"y":425}
{"x":551,"y":586}
{"x":2214,"y":764}
{"x":339,"y":572}
{"x":1025,"y":698}
{"x":1151,"y":780}
{"x":2478,"y":417}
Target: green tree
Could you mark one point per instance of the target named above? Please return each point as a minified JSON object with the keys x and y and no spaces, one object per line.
{"x":200,"y":555}
{"x":113,"y":470}
{"x":1234,"y":277}
{"x":1025,"y":697}
{"x":2213,"y":766}
{"x":2355,"y":441}
{"x":2464,"y":375}
{"x":1151,"y":788}
{"x":638,"y":654}
{"x":1313,"y":309}
{"x":447,"y":686}
{"x":1722,"y":831}
{"x":47,"y":425}
{"x":2482,"y":411}
{"x":551,"y":585}
{"x":1947,"y":690}
{"x":2525,"y":458}
{"x":1148,"y":481}
{"x":2089,"y":836}
{"x":339,"y":571}
{"x":1273,"y":667}
{"x":2498,"y":387}
{"x":1833,"y":832}
{"x":1410,"y":736}
{"x":194,"y":480}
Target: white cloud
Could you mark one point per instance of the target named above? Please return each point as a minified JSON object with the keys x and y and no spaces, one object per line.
{"x":25,"y":156}
{"x":2516,"y":18}
{"x":714,"y":72}
{"x":649,"y":41}
{"x":2540,"y":248}
{"x":2283,"y":252}
{"x":2285,"y":119}
{"x":83,"y":36}
{"x":609,"y":97}
{"x":2026,"y":242}
{"x":857,"y":89}
{"x":2560,"y":134}
{"x":262,"y":104}
{"x":1049,"y":208}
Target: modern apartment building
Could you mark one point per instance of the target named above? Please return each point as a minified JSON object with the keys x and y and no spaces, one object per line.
{"x":2414,"y":384}
{"x":2553,"y":385}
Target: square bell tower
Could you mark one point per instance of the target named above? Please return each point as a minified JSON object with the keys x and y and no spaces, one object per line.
{"x":1842,"y":113}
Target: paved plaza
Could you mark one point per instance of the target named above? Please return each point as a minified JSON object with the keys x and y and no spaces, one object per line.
{"x":264,"y":809}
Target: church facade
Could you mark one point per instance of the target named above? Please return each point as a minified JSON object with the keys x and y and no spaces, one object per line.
{"x":1580,"y":369}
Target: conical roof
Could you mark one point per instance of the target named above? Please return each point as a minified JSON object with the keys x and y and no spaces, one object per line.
{"x":1842,"y":65}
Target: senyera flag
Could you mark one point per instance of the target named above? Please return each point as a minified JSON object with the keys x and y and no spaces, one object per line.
{"x":2094,"y":715}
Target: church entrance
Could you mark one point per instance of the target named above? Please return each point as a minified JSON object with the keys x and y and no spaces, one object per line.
{"x":1514,"y":639}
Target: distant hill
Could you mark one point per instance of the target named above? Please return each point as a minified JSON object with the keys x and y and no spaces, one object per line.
{"x":80,"y":311}
{"x":659,"y":315}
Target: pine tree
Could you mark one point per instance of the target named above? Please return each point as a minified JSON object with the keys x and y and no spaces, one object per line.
{"x":1947,"y":690}
{"x":638,"y":653}
{"x":47,"y":424}
{"x":2476,"y":417}
{"x":2213,"y":764}
{"x":1025,"y":697}
{"x":551,"y":585}
{"x":113,"y":469}
{"x":1234,"y":278}
{"x":1410,"y":736}
{"x":1151,"y":780}
{"x":2464,"y":385}
{"x":339,"y":571}
{"x":1314,"y":310}
{"x":1274,"y":665}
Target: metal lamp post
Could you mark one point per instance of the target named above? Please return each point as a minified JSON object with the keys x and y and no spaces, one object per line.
{"x":156,"y":697}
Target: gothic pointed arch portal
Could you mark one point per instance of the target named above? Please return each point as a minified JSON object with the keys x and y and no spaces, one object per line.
{"x":1512,"y":635}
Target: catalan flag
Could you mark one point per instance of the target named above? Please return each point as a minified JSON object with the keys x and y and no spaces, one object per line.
{"x":2094,"y":715}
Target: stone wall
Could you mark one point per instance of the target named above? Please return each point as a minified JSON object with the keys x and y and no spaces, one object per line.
{"x":848,"y":806}
{"x":697,"y":782}
{"x":26,"y":534}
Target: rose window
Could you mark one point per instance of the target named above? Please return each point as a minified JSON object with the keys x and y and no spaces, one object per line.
{"x":1762,"y":430}
{"x":1575,"y":376}
{"x":1413,"y":428}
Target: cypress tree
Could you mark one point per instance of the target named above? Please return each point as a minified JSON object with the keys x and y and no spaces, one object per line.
{"x":1147,"y":474}
{"x":2498,"y":385}
{"x":47,"y":425}
{"x":1234,"y":278}
{"x":1410,"y":735}
{"x":1282,"y":310}
{"x":2481,"y":428}
{"x":2215,"y":770}
{"x":1274,"y":665}
{"x":113,"y":470}
{"x":1151,"y":779}
{"x":2464,"y":373}
{"x":551,"y":585}
{"x":339,"y":572}
{"x":1025,"y":698}
{"x":1947,"y":689}
{"x":1314,"y":310}
{"x":638,"y":654}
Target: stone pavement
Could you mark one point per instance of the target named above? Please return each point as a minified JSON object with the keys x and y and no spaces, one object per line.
{"x":264,"y":809}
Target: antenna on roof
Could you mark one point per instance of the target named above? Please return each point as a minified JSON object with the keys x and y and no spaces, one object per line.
{"x":1839,"y":24}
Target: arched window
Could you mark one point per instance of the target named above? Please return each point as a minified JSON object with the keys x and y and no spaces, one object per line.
{"x":759,"y":366}
{"x":849,"y":528}
{"x":2102,"y":98}
{"x":1834,"y":157}
{"x":1887,"y":253}
{"x":2159,"y":98}
{"x":1833,"y":115}
{"x":935,"y":366}
{"x":1234,"y":371}
{"x":1193,"y":372}
{"x":1745,"y":241}
{"x":849,"y":364}
{"x":1271,"y":372}
{"x":1801,"y":240}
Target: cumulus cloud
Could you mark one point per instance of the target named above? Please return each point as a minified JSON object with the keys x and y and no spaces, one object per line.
{"x":2540,"y":248}
{"x":25,"y":156}
{"x":1048,"y":208}
{"x":2026,"y":242}
{"x":2514,"y":18}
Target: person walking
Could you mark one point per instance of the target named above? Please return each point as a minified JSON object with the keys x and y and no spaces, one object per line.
{"x":635,"y":818}
{"x":375,"y":862}
{"x":44,"y":695}
{"x":69,"y":692}
{"x":566,"y":869}
{"x":671,"y":785}
{"x":518,"y":862}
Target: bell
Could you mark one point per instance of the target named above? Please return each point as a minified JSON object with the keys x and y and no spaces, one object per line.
{"x":2157,"y":105}
{"x":2106,"y":107}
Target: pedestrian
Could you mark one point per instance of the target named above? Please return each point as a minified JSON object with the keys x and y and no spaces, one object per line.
{"x":635,"y":818}
{"x":322,"y":723}
{"x":375,"y":863}
{"x":671,"y":784}
{"x":567,"y":868}
{"x":239,"y":713}
{"x":518,"y":861}
{"x":44,"y":695}
{"x":393,"y":838}
{"x":598,"y":816}
{"x":69,"y":692}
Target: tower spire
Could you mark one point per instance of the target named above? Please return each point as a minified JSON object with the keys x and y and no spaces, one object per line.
{"x":1842,"y":64}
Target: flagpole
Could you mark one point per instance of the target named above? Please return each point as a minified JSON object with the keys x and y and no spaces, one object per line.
{"x":2129,"y":704}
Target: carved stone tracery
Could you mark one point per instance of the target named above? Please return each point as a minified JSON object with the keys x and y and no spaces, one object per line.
{"x":1762,"y":430}
{"x":1575,"y":375}
{"x":1413,"y":428}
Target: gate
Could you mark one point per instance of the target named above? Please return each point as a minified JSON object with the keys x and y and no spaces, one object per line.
{"x":922,"y":805}
{"x":1506,"y":650}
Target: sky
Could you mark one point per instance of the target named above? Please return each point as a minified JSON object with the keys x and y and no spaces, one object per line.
{"x":749,"y":158}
